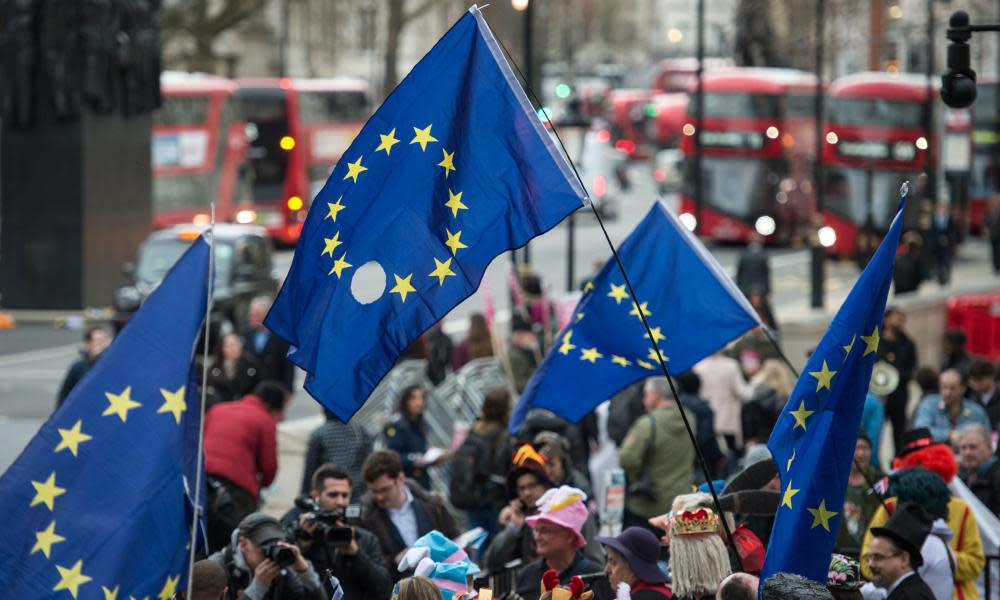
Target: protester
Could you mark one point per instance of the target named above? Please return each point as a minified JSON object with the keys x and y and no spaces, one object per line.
{"x":897,"y":349}
{"x":95,"y":342}
{"x":770,"y":388}
{"x":954,"y":355}
{"x":581,"y":436}
{"x":753,"y":271}
{"x":558,"y":540}
{"x":398,"y":510}
{"x":523,"y":352}
{"x":979,"y":468}
{"x":723,"y":386}
{"x":942,"y":239}
{"x":414,"y":588}
{"x":440,"y":353}
{"x":738,"y":586}
{"x":910,"y":269}
{"x":241,"y":455}
{"x":699,"y":560}
{"x":632,"y":559}
{"x":927,"y":380}
{"x":860,"y":500}
{"x":689,"y":386}
{"x":555,"y":449}
{"x":478,"y":342}
{"x":406,"y":434}
{"x":948,"y":411}
{"x":339,"y":443}
{"x":355,"y":559}
{"x":208,"y":582}
{"x":895,"y":554}
{"x":982,"y":382}
{"x":254,"y":566}
{"x":270,"y":351}
{"x":656,"y":456}
{"x":789,"y":586}
{"x":844,"y":578}
{"x":232,"y":372}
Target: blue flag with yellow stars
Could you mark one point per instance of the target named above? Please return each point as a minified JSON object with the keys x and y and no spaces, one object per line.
{"x":814,"y":438}
{"x":692,"y":307}
{"x":452,"y":170}
{"x":99,"y":503}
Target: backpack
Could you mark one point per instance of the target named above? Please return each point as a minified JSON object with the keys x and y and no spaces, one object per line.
{"x":476,"y":482}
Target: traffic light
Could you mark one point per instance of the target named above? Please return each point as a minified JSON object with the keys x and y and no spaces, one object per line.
{"x":958,"y":83}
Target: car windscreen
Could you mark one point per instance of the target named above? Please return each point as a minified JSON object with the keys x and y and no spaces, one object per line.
{"x":158,"y":255}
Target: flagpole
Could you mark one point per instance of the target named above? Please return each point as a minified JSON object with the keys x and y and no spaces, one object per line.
{"x":642,"y":317}
{"x":199,"y":468}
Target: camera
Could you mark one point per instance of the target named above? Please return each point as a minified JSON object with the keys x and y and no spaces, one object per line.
{"x":281,"y":555}
{"x":958,"y":83}
{"x":332,"y":525}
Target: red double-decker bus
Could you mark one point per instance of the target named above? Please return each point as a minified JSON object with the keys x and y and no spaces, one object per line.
{"x":756,"y":154}
{"x":198,"y":147}
{"x":875,"y":141}
{"x":299,"y":128}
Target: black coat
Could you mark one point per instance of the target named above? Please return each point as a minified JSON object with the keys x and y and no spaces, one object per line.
{"x":223,"y":388}
{"x":272,"y":358}
{"x":753,"y":272}
{"x":909,"y":274}
{"x":986,"y":486}
{"x":409,"y":439}
{"x":912,"y":588}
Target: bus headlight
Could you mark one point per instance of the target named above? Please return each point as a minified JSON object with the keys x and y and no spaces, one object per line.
{"x":688,"y":220}
{"x":827,"y":236}
{"x":921,"y":143}
{"x":765,"y":225}
{"x":772,"y":132}
{"x":295,"y":203}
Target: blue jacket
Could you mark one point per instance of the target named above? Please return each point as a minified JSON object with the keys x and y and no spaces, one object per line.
{"x":932,"y":414}
{"x":409,"y":439}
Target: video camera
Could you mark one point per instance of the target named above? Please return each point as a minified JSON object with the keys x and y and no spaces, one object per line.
{"x":331,"y":525}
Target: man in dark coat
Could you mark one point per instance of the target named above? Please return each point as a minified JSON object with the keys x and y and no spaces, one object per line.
{"x":95,"y":340}
{"x":270,"y":350}
{"x":978,"y":466}
{"x":897,"y":349}
{"x":895,"y":554}
{"x":983,"y":385}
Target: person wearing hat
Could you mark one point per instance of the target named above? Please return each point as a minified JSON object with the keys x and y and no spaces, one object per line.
{"x":252,"y":573}
{"x":843,"y":578}
{"x":895,"y":554}
{"x":632,"y":559}
{"x":556,"y":528}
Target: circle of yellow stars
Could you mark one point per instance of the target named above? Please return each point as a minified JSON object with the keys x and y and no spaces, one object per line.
{"x":443,"y":269}
{"x":47,"y":492}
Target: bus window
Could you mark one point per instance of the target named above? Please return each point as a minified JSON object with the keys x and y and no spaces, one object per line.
{"x":741,"y":105}
{"x":332,"y":107}
{"x":266,"y":111}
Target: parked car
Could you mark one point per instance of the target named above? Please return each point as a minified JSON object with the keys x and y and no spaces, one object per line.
{"x":667,"y":170}
{"x":243,"y":270}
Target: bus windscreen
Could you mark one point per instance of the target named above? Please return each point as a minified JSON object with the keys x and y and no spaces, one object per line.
{"x":265,"y":111}
{"x":750,"y":106}
{"x":875,"y":111}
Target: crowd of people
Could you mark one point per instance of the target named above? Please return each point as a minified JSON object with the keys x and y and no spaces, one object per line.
{"x":525,"y":504}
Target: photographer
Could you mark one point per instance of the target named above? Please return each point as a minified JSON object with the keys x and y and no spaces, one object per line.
{"x":261,"y":565}
{"x":321,"y":527}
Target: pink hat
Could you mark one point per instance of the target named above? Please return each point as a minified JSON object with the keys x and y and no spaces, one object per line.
{"x":563,"y":506}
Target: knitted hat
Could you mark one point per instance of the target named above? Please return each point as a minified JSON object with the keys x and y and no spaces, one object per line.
{"x":564,"y":507}
{"x":922,"y":487}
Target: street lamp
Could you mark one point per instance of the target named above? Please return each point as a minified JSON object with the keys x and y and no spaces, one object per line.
{"x":818,"y":242}
{"x":525,"y":7}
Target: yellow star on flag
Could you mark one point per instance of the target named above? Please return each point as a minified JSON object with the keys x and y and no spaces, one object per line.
{"x":786,"y":500}
{"x":45,"y":539}
{"x":801,"y":415}
{"x":652,"y":355}
{"x":339,"y":265}
{"x":448,"y":162}
{"x":47,"y":492}
{"x":423,"y":137}
{"x":173,"y":402}
{"x":443,"y":270}
{"x":871,"y":342}
{"x":72,"y":438}
{"x":455,"y":203}
{"x":331,"y":244}
{"x":788,"y":467}
{"x":454,"y":241}
{"x":71,"y":579}
{"x":110,"y":594}
{"x":590,"y":354}
{"x":620,"y":360}
{"x":644,"y":307}
{"x":657,"y":335}
{"x":335,"y":207}
{"x":120,"y":404}
{"x":823,"y":377}
{"x":354,"y":169}
{"x":849,"y":347}
{"x":821,"y":516}
{"x":579,"y":316}
{"x":644,"y":364}
{"x":169,"y":588}
{"x":618,"y":293}
{"x":589,"y":286}
{"x":388,"y":141}
{"x":402,"y":286}
{"x":566,"y":345}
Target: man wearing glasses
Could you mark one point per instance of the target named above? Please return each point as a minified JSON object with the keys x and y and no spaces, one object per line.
{"x":895,"y":554}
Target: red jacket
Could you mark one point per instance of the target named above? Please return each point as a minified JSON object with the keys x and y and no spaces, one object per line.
{"x":241,"y":443}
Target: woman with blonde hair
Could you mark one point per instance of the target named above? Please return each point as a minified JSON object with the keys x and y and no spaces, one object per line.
{"x":770,"y":388}
{"x":416,"y":588}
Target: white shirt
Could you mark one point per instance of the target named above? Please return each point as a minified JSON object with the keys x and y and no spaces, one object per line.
{"x":405,"y":519}
{"x":936,"y":570}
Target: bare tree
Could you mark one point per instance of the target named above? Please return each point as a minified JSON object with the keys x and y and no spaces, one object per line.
{"x":397,"y":18}
{"x":202,"y":22}
{"x":755,"y":39}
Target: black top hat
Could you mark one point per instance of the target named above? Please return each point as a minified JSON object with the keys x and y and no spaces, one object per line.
{"x":908,"y":527}
{"x":917,"y":439}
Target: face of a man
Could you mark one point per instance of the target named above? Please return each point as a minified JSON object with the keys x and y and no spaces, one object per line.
{"x":99,"y":341}
{"x":529,"y":489}
{"x":886,"y":562}
{"x":973,"y":451}
{"x":336,"y":493}
{"x":982,"y":385}
{"x":617,"y":569}
{"x":553,"y":540}
{"x":388,"y":492}
{"x":650,"y":398}
{"x":256,"y":314}
{"x":950,"y":383}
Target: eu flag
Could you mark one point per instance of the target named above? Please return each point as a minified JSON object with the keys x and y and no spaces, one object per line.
{"x":98,"y":505}
{"x":814,"y":438}
{"x":452,"y":170}
{"x":691,"y":305}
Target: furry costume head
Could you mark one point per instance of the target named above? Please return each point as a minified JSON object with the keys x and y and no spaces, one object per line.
{"x":699,"y":560}
{"x":921,"y":487}
{"x":921,"y":450}
{"x":552,"y":591}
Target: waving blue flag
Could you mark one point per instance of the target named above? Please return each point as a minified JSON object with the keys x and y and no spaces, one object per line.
{"x":99,"y":503}
{"x":692,"y":306}
{"x":454,"y":169}
{"x":814,"y":438}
